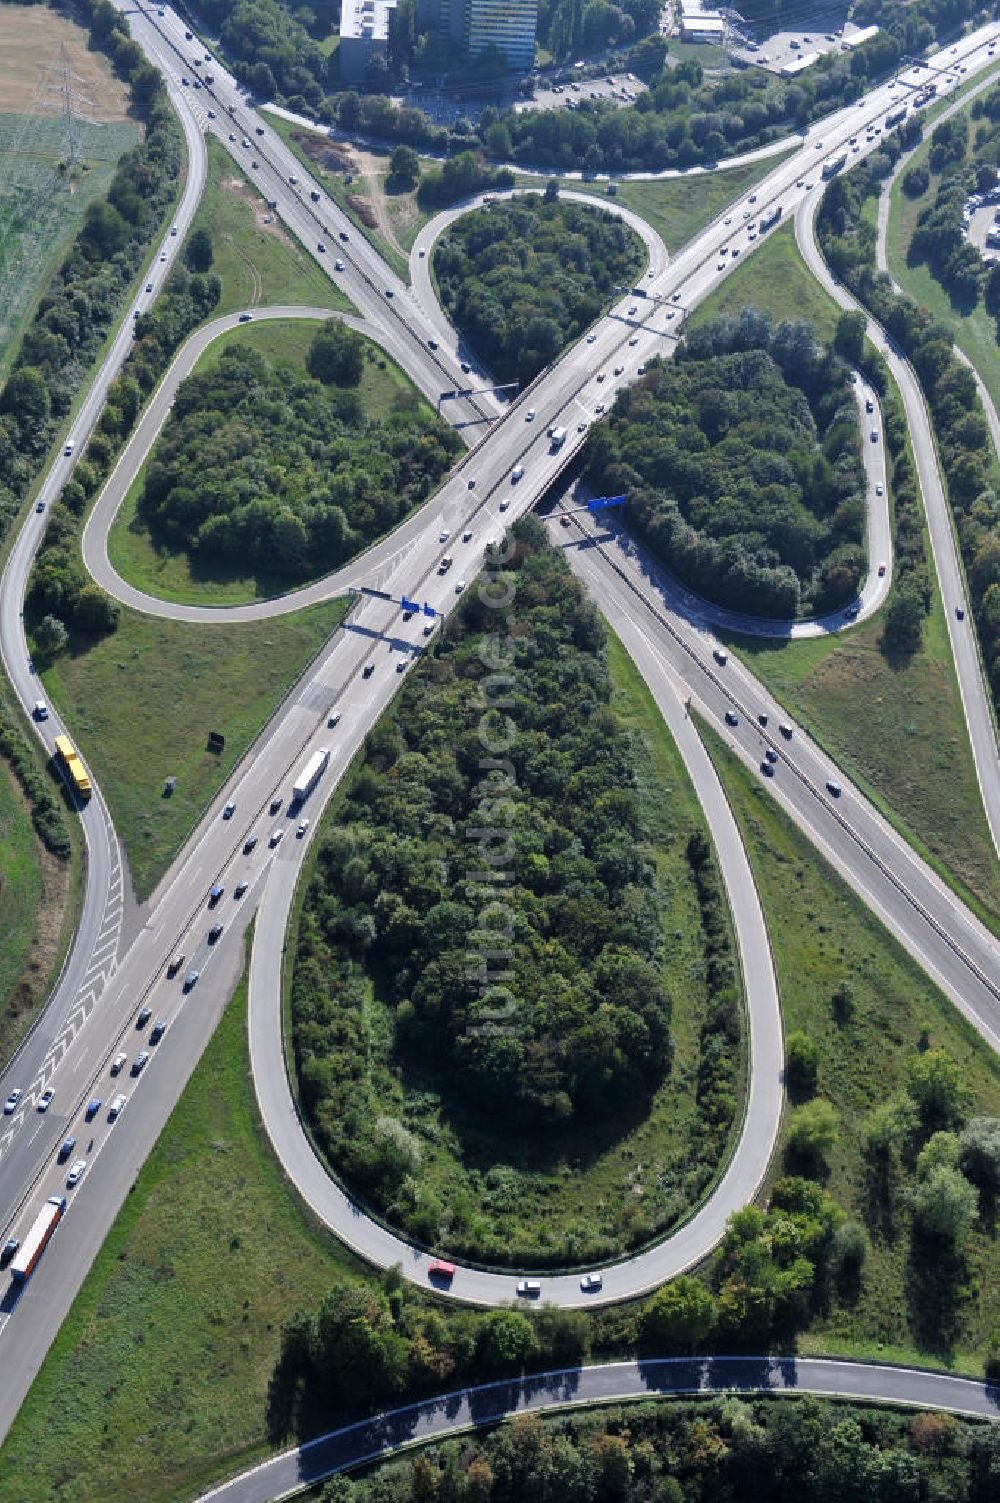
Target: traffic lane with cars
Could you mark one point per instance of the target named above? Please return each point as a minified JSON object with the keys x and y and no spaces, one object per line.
{"x":619,"y":573}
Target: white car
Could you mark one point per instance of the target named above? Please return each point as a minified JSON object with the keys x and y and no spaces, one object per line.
{"x":529,"y":416}
{"x":45,"y":1099}
{"x":338,"y":266}
{"x":70,"y":446}
{"x":459,"y":586}
{"x":275,"y":837}
{"x":879,"y":490}
{"x":163,"y":255}
{"x":591,"y":1282}
{"x":10,"y":1105}
{"x":119,"y":1062}
{"x":443,"y":535}
{"x":115,"y":1108}
{"x":516,"y":473}
{"x":76,"y":1169}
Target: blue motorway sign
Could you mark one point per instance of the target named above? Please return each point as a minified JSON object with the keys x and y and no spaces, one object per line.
{"x":600,"y":502}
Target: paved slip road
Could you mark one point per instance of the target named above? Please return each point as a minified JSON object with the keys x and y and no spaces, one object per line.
{"x":976,"y":699}
{"x":488,"y":1403}
{"x":177,"y":916}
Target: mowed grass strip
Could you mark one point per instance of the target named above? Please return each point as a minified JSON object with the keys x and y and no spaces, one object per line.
{"x":823,"y":936}
{"x":157,"y":1382}
{"x":259,"y":263}
{"x":775,"y":279}
{"x":141,"y":703}
{"x":179,"y":576}
{"x":677,"y":208}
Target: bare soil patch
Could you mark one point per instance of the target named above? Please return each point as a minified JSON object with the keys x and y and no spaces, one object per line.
{"x":331,"y":156}
{"x":263,"y":218}
{"x":30,"y":39}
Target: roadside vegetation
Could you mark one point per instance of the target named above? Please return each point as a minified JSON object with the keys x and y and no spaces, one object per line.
{"x":522,"y":278}
{"x":37,"y":883}
{"x":43,"y":199}
{"x":740,"y":1449}
{"x":272,"y":471}
{"x":578,"y":1125}
{"x":968,"y":464}
{"x":141,"y":702}
{"x":61,"y":341}
{"x":887,"y":1085}
{"x":910,"y":748}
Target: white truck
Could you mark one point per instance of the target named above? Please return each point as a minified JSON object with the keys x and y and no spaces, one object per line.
{"x":557,"y":437}
{"x":309,"y":774}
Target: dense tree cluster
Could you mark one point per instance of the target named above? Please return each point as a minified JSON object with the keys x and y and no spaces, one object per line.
{"x":732,"y":1449}
{"x":522,"y":277}
{"x":460,"y":177}
{"x":263,"y":466}
{"x":741,"y":461}
{"x":85,"y":295}
{"x":574,"y":28}
{"x":932,"y":1163}
{"x":848,"y":241}
{"x":275,"y":47}
{"x":396,"y":901}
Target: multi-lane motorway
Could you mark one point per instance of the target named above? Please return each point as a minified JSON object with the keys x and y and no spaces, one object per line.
{"x":672,"y":646}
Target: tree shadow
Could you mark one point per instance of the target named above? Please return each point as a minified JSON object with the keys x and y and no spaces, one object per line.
{"x":934,"y":1292}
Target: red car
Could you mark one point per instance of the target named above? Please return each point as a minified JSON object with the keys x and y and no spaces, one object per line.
{"x":881,"y":571}
{"x":564,"y":519}
{"x":440,"y":1269}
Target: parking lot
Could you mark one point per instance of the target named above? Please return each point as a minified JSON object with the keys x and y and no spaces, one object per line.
{"x":617,"y":89}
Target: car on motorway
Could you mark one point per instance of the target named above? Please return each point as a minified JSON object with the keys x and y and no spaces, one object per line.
{"x":191,"y":979}
{"x":505,"y":500}
{"x":143,"y":1016}
{"x":10,"y":1247}
{"x":879,"y":489}
{"x":762,"y":718}
{"x":218,"y":891}
{"x":874,"y":435}
{"x":39,"y":505}
{"x":119,"y":1062}
{"x":10,"y":1105}
{"x":529,"y":416}
{"x":249,"y":844}
{"x":960,"y":613}
{"x":75,"y":1172}
{"x":114,"y":1110}
{"x":69,"y":446}
{"x":65,"y":1149}
{"x":472,"y":484}
{"x":240,"y":888}
{"x":459,"y":586}
{"x":244,"y":318}
{"x":389,"y":292}
{"x":232,"y":138}
{"x":440,"y":1268}
{"x":721,"y":657}
{"x":591,"y":338}
{"x":515,"y":475}
{"x":529,"y":1288}
{"x":881,"y":571}
{"x":157,"y":1031}
{"x":619,"y":369}
{"x":833,"y":788}
{"x":732,"y":718}
{"x":366,"y":672}
{"x":173,"y":230}
{"x":275,"y":804}
{"x":304,"y":823}
{"x":421,"y":253}
{"x":564,"y":519}
{"x":245,"y":143}
{"x":185,"y":82}
{"x":343,"y":234}
{"x":338,"y":265}
{"x":214,"y":933}
{"x":41,"y":710}
{"x":429,"y":628}
{"x":591,"y":1283}
{"x":785,"y":730}
{"x":275,"y":838}
{"x":852,"y":612}
{"x":229,"y":810}
{"x":602,"y":376}
{"x":869,"y":405}
{"x":93,"y":1107}
{"x":633,"y":341}
{"x":45,"y":1099}
{"x":467,"y":535}
{"x":771,"y":755}
{"x":466,"y":367}
{"x":443,"y":535}
{"x":432,"y":344}
{"x":599,"y":409}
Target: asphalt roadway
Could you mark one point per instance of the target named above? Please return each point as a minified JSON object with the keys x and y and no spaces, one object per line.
{"x":417,"y":1424}
{"x":177,"y":915}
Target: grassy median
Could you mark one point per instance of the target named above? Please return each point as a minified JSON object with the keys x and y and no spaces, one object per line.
{"x":141,"y":703}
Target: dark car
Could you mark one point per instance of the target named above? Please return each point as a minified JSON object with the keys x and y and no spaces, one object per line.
{"x":767,"y":769}
{"x":213,"y":933}
{"x":190,"y":980}
{"x":276,"y":805}
{"x":771,"y":754}
{"x":145,"y":1013}
{"x":368,"y":670}
{"x":93,"y":1107}
{"x":215,"y":894}
{"x":343,"y":234}
{"x":66,"y":1148}
{"x":157,"y":1031}
{"x":175,"y":965}
{"x":10,"y":1247}
{"x":732,"y":718}
{"x":249,"y":844}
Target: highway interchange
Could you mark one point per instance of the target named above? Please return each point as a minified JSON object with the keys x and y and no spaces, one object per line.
{"x":91,"y":1015}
